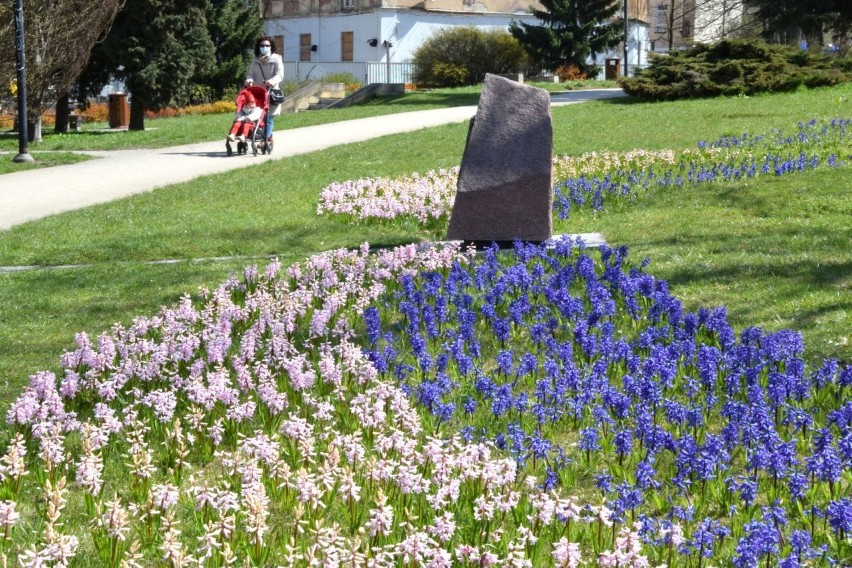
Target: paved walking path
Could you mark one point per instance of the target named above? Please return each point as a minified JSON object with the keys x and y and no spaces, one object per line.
{"x":37,"y":193}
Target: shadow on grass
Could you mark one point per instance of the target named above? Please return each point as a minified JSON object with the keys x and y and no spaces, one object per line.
{"x":442,"y":100}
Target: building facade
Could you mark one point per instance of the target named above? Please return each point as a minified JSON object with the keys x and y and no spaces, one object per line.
{"x":679,"y":24}
{"x":322,"y":36}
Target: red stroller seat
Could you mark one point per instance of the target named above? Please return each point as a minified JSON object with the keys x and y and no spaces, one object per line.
{"x":257,"y":140}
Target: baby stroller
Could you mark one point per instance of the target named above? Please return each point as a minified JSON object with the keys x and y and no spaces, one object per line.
{"x":256,"y":138}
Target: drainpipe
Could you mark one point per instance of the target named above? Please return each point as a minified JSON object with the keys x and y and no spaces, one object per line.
{"x":626,"y":37}
{"x":387,"y":45}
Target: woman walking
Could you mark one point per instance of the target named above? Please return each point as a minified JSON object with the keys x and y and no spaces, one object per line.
{"x":266,"y":70}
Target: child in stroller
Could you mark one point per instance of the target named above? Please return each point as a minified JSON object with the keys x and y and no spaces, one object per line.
{"x":249,"y":122}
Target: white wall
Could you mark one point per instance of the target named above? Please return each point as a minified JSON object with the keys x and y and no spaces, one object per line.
{"x":406,"y":30}
{"x":715,"y":19}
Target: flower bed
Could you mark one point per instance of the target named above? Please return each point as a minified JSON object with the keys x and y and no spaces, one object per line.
{"x":594,"y":178}
{"x":424,"y":197}
{"x":422,"y":407}
{"x":590,"y":374}
{"x":730,"y":158}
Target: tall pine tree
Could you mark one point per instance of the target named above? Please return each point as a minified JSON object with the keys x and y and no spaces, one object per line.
{"x":160,"y":48}
{"x":234,"y":26}
{"x":574,"y":32}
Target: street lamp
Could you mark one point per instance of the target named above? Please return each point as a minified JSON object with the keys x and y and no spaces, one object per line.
{"x":23,"y":142}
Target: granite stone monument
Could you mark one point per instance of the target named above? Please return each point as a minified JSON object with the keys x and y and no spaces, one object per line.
{"x":505,"y":188}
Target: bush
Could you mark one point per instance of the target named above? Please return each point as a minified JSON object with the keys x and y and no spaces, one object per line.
{"x":449,"y":74}
{"x":350,"y":82}
{"x":462,"y":55}
{"x":342,"y":77}
{"x":95,"y":112}
{"x":219,"y":107}
{"x":570,"y":73}
{"x":734,"y":67}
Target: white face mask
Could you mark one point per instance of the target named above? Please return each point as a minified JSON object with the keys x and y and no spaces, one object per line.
{"x":265,"y":50}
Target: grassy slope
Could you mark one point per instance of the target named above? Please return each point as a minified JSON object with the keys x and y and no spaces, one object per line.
{"x":693,"y":237}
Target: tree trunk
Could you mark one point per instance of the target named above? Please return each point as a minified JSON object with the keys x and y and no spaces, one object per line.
{"x":137,"y":115}
{"x":671,"y":25}
{"x":62,"y":112}
{"x":34,"y":129}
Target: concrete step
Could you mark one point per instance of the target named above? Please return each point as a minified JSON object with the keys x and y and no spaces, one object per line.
{"x":332,"y":94}
{"x":325,"y":103}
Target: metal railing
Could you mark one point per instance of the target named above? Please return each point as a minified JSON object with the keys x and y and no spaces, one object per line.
{"x":366,"y":72}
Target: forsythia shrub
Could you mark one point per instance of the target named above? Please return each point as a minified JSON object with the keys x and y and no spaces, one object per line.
{"x":99,"y":112}
{"x":221,"y":107}
{"x":95,"y":112}
{"x":570,"y":73}
{"x":218,"y":107}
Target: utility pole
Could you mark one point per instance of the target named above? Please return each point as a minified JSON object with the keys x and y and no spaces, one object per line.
{"x":626,"y":36}
{"x":23,"y":136}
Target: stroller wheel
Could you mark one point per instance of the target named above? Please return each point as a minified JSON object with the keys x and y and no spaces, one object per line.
{"x":269,"y":146}
{"x":254,"y":149}
{"x":229,"y":149}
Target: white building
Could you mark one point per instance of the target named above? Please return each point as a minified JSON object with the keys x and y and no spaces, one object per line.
{"x":375,"y":39}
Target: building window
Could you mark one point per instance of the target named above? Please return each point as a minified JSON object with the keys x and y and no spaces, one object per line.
{"x":304,"y":47}
{"x":347,"y":5}
{"x":347,"y":42}
{"x":279,"y":43}
{"x":662,"y":21}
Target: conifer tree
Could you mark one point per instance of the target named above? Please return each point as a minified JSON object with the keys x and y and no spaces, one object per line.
{"x":573,"y":32}
{"x":234,"y":25}
{"x":159,"y":48}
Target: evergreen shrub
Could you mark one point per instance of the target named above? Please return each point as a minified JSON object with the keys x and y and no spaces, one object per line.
{"x":735,"y":67}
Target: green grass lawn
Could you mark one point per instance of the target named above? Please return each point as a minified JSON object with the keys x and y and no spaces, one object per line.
{"x":776,"y":252}
{"x":164,"y":132}
{"x":40,"y":160}
{"x":187,"y":129}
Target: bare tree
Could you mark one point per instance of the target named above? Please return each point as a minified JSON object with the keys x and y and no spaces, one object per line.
{"x":680,"y":23}
{"x":59,"y":38}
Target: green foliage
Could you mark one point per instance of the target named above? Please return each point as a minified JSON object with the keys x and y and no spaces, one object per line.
{"x":342,"y":77}
{"x":463,"y":55}
{"x":449,"y":74}
{"x":574,"y":32}
{"x":734,"y":67}
{"x":234,"y":25}
{"x":161,"y":50}
{"x":783,"y":19}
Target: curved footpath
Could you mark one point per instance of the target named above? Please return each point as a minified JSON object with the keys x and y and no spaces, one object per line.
{"x":37,"y":193}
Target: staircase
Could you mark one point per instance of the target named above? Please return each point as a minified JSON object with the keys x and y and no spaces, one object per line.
{"x":329,"y":94}
{"x":314,"y":96}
